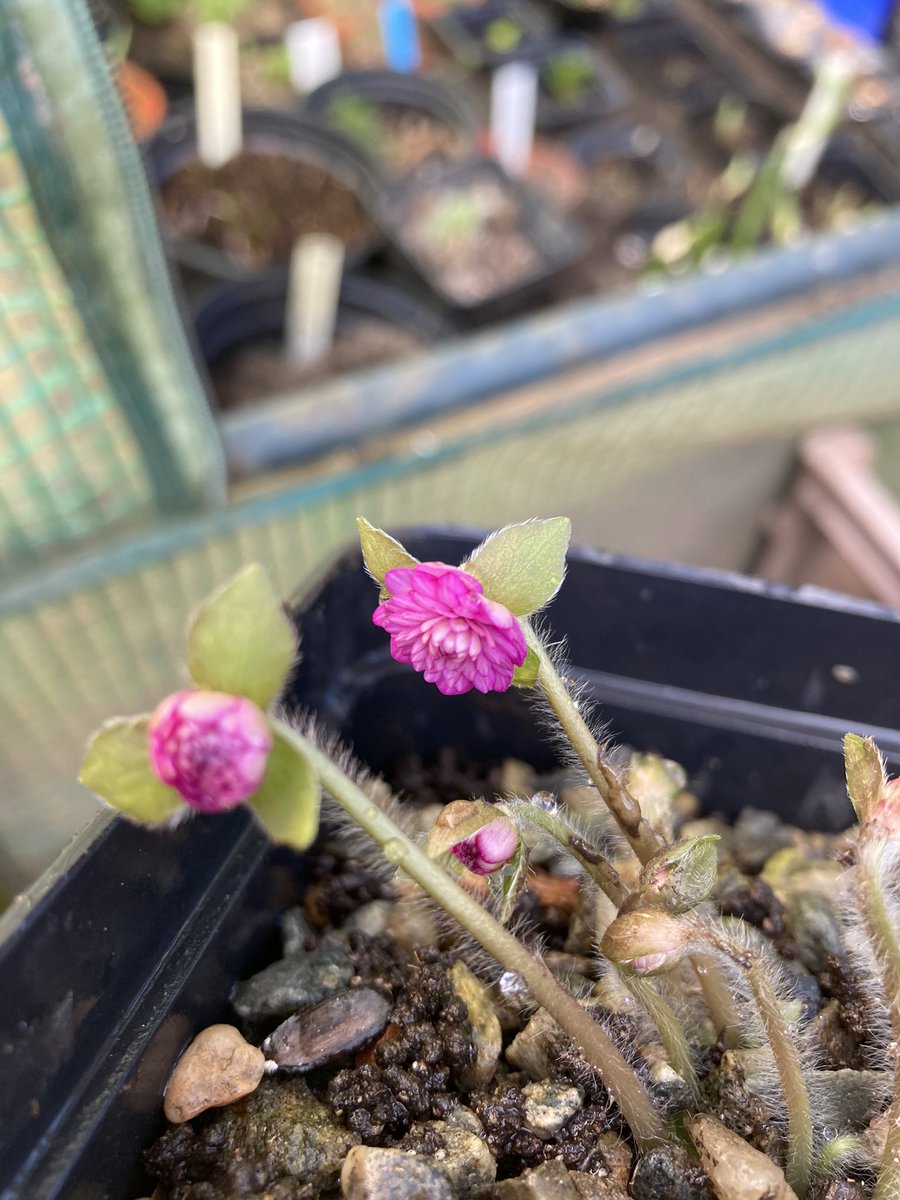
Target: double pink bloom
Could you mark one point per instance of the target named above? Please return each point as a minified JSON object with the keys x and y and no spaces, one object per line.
{"x":211,"y":747}
{"x":443,"y":625}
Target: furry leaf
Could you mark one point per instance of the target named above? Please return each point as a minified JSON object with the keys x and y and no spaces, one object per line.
{"x":287,"y":800}
{"x":381,"y":553}
{"x":241,"y":641}
{"x":865,"y":774}
{"x":526,"y":676}
{"x":117,"y":768}
{"x":681,"y":876}
{"x":523,"y":566}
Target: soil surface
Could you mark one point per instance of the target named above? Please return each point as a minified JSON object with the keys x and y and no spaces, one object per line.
{"x":256,"y":206}
{"x":469,"y":238}
{"x":402,"y":139}
{"x":475,"y":1107}
{"x":261,"y":370}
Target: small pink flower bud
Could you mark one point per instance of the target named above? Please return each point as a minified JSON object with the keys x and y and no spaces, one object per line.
{"x":489,"y":848}
{"x":441,"y":623}
{"x":647,"y":941}
{"x":211,"y":747}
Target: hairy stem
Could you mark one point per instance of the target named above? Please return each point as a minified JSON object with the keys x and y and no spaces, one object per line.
{"x":642,"y":837}
{"x":598,"y":1049}
{"x":872,"y":902}
{"x":784,"y":1050}
{"x":588,"y":857}
{"x":671,"y":1031}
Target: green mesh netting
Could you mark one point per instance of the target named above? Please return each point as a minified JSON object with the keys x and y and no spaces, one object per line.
{"x":103,"y":418}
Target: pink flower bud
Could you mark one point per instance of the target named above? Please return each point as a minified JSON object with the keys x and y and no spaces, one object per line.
{"x":489,"y":848}
{"x":211,"y":747}
{"x":441,"y":623}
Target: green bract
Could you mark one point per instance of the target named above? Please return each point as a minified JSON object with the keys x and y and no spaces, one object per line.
{"x":523,"y":566}
{"x":117,"y":768}
{"x":240,"y":643}
{"x":865,"y":774}
{"x":240,"y":640}
{"x":682,"y":876}
{"x":381,"y":552}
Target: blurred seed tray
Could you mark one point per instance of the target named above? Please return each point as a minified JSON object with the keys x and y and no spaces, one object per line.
{"x":577,"y":83}
{"x":355,"y":103}
{"x":239,"y":330}
{"x":484,"y":244}
{"x":667,"y":58}
{"x":268,"y":133}
{"x":494,"y":32}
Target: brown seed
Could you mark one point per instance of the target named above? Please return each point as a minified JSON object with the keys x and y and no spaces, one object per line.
{"x":217,"y":1068}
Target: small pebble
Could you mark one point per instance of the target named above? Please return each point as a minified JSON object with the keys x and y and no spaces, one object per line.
{"x":533,"y":1049}
{"x":217,"y":1068}
{"x":412,"y":925}
{"x":292,"y":983}
{"x":371,"y":919}
{"x":549,"y":1105}
{"x":667,"y":1172}
{"x":485,"y":1027}
{"x":297,"y":935}
{"x":549,"y":1181}
{"x":735,"y":1169}
{"x":592,"y":1187}
{"x":334,"y":1026}
{"x":465,"y":1160}
{"x":370,"y":1173}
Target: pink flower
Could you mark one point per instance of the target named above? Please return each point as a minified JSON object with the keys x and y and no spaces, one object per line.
{"x":441,"y":622}
{"x":211,"y":747}
{"x":488,"y":848}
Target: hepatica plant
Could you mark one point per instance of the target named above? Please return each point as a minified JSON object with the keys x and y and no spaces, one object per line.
{"x":223,"y":742}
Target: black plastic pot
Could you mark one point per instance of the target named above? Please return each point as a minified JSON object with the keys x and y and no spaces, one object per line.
{"x":266,"y":131}
{"x":605,"y":94}
{"x":131,"y":948}
{"x":557,"y":241}
{"x":593,"y":15}
{"x":667,"y":59}
{"x":432,"y":98}
{"x":237,"y":315}
{"x":473,"y":34}
{"x":658,"y":162}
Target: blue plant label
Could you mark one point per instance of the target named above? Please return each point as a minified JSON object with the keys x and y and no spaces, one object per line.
{"x":400,"y":35}
{"x":868,"y":17}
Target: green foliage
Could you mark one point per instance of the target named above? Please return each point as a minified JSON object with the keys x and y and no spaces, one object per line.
{"x":503,"y":35}
{"x":381,"y":553}
{"x":156,"y":12}
{"x":357,"y":119}
{"x":682,"y":876}
{"x":117,"y":768}
{"x":454,"y":214}
{"x":568,"y":76}
{"x":241,"y":641}
{"x":523,"y":566}
{"x":865,"y":774}
{"x":287,"y":800}
{"x":220,"y":10}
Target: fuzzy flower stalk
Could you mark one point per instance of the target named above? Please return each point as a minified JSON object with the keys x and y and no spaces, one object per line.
{"x":471,"y":627}
{"x":220,"y":745}
{"x":876,"y":800}
{"x":651,"y":940}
